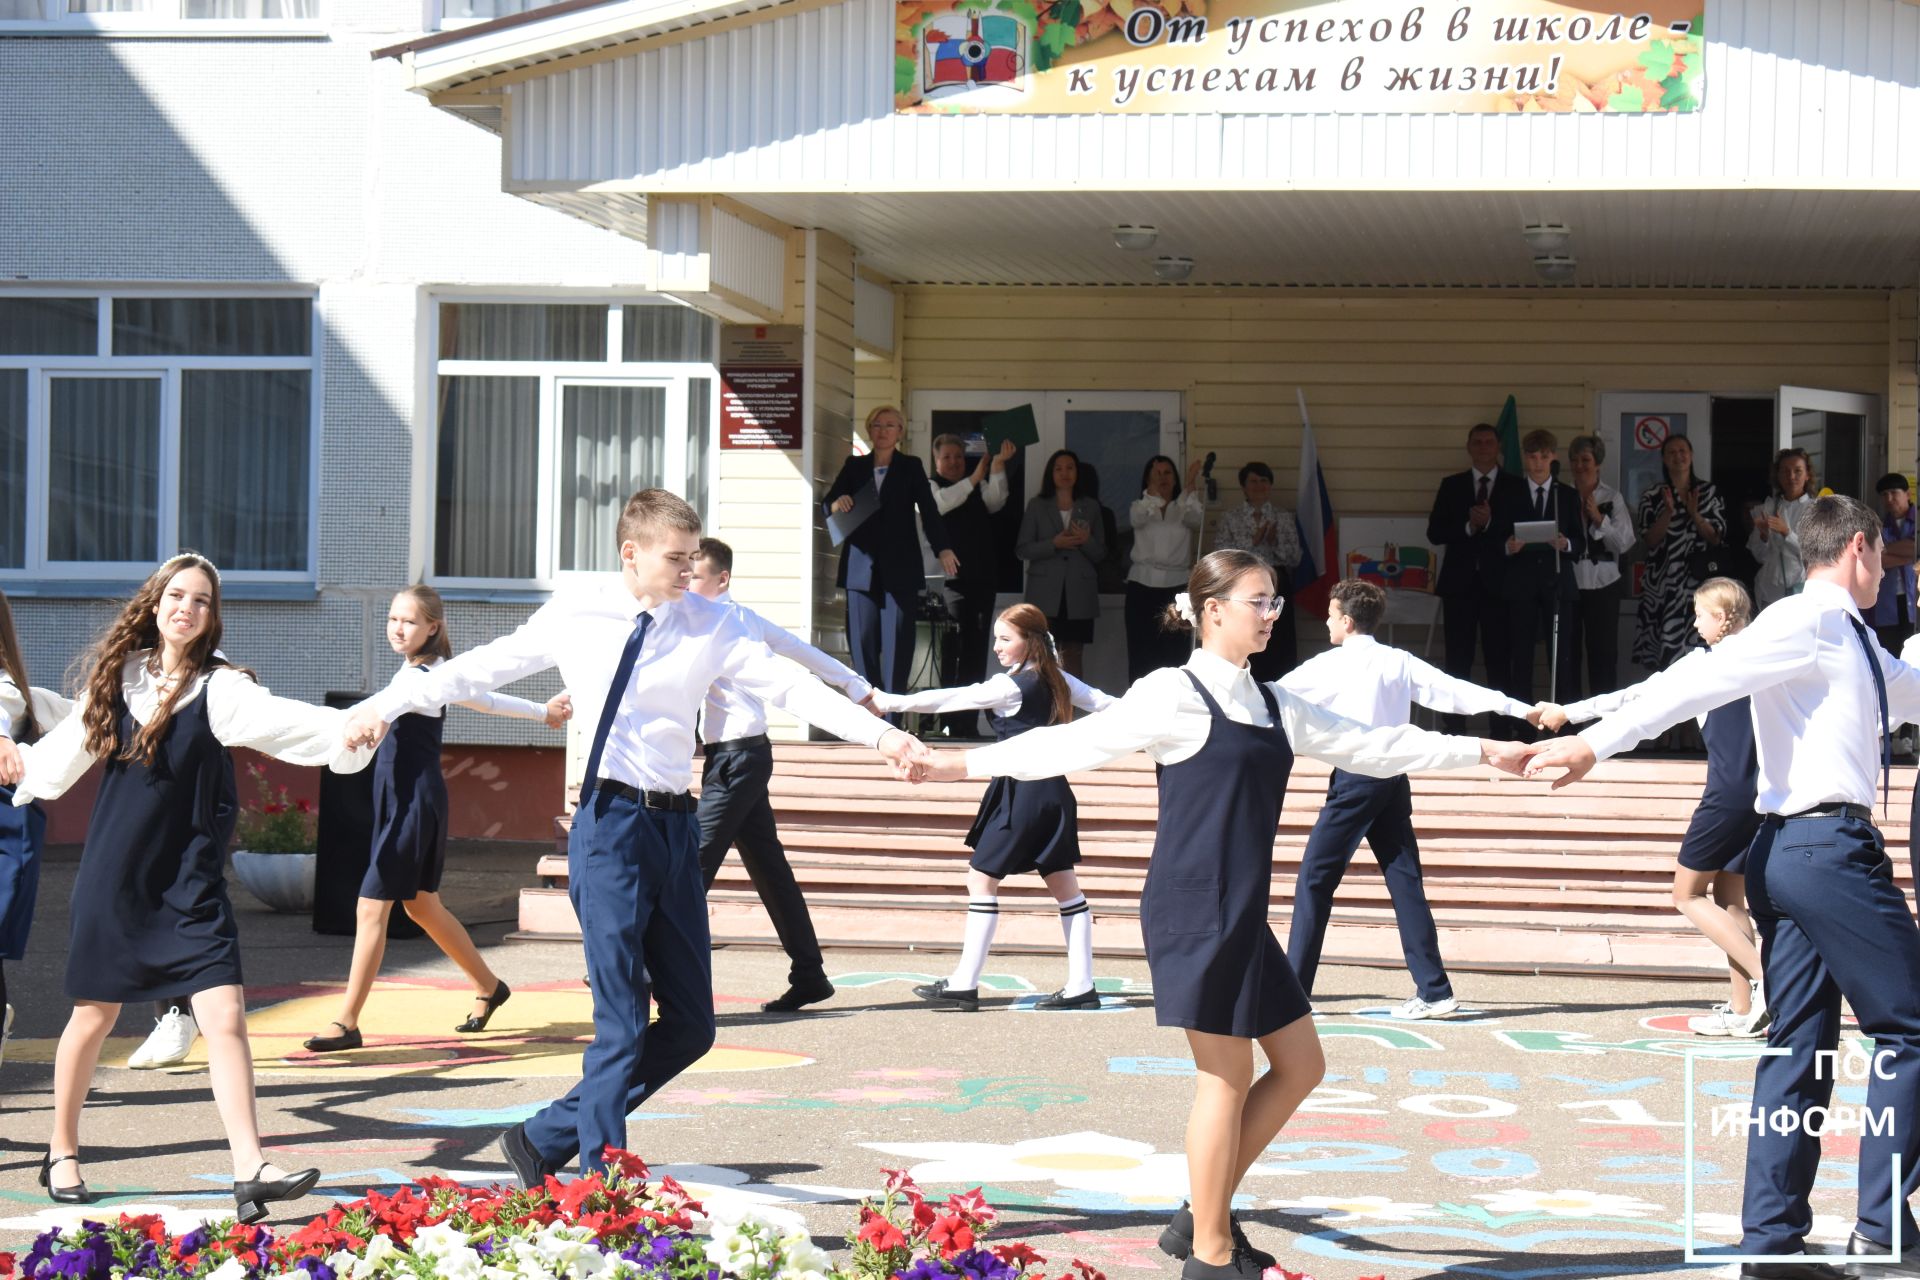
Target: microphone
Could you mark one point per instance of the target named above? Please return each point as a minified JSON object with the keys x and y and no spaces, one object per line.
{"x":1206,"y":474}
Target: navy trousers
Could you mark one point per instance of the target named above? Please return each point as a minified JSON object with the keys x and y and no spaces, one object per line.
{"x":633,"y":875}
{"x":880,"y":635}
{"x":1380,"y":811}
{"x":1831,"y":924}
{"x":735,"y":813}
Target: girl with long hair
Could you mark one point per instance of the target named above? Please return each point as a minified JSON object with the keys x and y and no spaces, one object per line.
{"x":410,"y":825}
{"x":160,"y":709}
{"x":1021,"y":826}
{"x":1775,"y":540}
{"x":1224,"y":744}
{"x":1710,"y":883}
{"x":25,"y":714}
{"x":1063,"y":540}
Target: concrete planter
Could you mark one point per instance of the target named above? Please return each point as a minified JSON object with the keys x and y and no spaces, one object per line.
{"x":283,"y":881}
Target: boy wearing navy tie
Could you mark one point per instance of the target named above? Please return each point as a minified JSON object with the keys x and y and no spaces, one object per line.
{"x":1364,"y":680}
{"x":1819,"y":883}
{"x":638,"y":653}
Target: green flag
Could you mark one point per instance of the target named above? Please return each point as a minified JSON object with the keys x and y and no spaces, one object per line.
{"x":1509,"y":429}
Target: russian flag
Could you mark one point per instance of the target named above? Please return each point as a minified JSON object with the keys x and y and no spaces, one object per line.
{"x":1314,"y":576}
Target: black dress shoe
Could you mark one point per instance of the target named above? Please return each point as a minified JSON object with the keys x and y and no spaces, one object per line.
{"x":252,"y":1196}
{"x":77,"y":1193}
{"x":800,"y":995}
{"x":1858,"y":1246}
{"x":1177,"y":1239}
{"x":1796,"y":1267}
{"x":478,"y":1022}
{"x":1240,"y":1265}
{"x":940,"y":993}
{"x":1088,"y":999}
{"x":349,"y":1038}
{"x":529,"y":1170}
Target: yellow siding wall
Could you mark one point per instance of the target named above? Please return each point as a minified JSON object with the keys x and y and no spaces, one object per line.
{"x":1903,"y":380}
{"x":1393,"y":378}
{"x":833,"y":416}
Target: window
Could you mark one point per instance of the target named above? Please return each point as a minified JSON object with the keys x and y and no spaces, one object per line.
{"x":164,"y":17}
{"x":548,"y":415}
{"x":442,"y":14}
{"x":132,"y":426}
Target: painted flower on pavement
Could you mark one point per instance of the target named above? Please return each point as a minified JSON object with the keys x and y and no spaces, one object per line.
{"x":1568,"y":1204}
{"x":907,"y":1073}
{"x":1118,"y":1171}
{"x":1350,"y":1208}
{"x":711,"y":1097}
{"x":882,"y":1094}
{"x":1727,"y":1226}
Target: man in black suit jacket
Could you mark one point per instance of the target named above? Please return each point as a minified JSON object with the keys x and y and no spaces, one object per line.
{"x":1540,"y":584}
{"x":880,"y":561}
{"x":1466,"y":524}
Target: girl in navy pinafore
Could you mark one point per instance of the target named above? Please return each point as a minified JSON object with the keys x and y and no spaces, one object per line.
{"x":150,"y":915}
{"x":1224,"y":744}
{"x":1710,"y":884}
{"x":409,"y":850}
{"x":1020,"y":826}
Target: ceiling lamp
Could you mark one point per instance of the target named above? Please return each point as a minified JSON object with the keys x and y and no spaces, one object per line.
{"x":1547,"y":237}
{"x":1173,"y":270}
{"x":1133,"y":237}
{"x":1555,"y":268}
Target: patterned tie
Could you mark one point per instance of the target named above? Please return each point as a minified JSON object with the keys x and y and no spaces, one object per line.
{"x":616,"y":693}
{"x":1880,"y":688}
{"x":1481,"y":499}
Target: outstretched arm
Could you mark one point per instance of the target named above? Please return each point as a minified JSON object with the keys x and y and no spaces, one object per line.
{"x":242,"y":713}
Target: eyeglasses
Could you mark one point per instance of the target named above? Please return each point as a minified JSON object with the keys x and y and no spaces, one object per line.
{"x":1268,"y":606}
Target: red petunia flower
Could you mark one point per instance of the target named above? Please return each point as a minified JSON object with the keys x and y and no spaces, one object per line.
{"x":877,"y":1231}
{"x":952,"y":1234}
{"x":1018,"y":1254}
{"x":1088,"y":1271}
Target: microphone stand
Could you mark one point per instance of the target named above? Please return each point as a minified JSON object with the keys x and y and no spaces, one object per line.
{"x":1553,"y":650}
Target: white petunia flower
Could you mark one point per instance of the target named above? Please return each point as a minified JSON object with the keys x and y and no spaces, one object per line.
{"x":231,"y":1269}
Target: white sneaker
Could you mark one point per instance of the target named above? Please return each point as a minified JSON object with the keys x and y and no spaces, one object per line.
{"x":1415,"y":1008}
{"x":1753,"y":1024}
{"x":169,"y":1043}
{"x":1721,"y":1022}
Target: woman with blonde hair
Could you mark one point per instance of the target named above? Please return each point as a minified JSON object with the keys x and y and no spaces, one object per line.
{"x":160,"y":709}
{"x":1021,"y":826}
{"x":1710,"y":884}
{"x":410,"y":824}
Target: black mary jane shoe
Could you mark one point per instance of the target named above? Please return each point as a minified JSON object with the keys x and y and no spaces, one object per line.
{"x":349,"y":1038}
{"x":251,"y":1196}
{"x":1176,"y":1240}
{"x":940,"y":993}
{"x":478,"y":1022}
{"x":75,"y":1194}
{"x":1088,"y":999}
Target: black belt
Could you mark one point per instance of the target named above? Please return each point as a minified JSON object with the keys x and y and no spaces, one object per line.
{"x":671,"y":801}
{"x":738,"y":744}
{"x":1858,"y":812}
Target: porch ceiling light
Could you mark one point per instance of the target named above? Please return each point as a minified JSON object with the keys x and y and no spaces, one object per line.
{"x":1555,"y":268}
{"x":1173,"y":269}
{"x":1134,"y":237}
{"x":1547,"y":237}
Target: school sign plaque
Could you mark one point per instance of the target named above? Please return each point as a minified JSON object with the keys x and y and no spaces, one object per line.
{"x":1080,"y":57}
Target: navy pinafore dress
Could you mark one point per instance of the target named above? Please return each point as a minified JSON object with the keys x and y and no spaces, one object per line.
{"x":409,"y":811}
{"x":1022,"y":825}
{"x":150,"y":918}
{"x":1725,"y":823}
{"x":22,"y":834}
{"x":1215,"y":963}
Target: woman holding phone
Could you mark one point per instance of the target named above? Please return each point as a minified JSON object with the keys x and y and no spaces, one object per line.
{"x":1062,"y":541}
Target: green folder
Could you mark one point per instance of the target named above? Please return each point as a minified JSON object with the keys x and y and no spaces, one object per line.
{"x":1016,"y":425}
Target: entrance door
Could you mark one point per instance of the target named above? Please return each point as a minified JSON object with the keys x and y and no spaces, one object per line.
{"x":1636,"y":424}
{"x":1114,"y":433}
{"x":1842,"y":434}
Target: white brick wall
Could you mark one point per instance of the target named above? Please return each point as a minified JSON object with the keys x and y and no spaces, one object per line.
{"x":288,"y":161}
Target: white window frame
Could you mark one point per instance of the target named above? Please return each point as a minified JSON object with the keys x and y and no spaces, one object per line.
{"x":169,"y":369}
{"x":164,"y":18}
{"x":553,"y":375}
{"x":434,"y":16}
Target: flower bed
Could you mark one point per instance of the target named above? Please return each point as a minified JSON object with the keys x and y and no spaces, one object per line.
{"x":612,"y":1226}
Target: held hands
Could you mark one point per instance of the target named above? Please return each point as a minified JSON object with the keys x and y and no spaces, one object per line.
{"x":1507,"y":757}
{"x":12,"y":766}
{"x":1514,"y":545}
{"x":1548,"y":715}
{"x":950,"y":563}
{"x":842,"y":504}
{"x":909,"y":756}
{"x":1073,"y":535}
{"x":364,"y":728}
{"x":1571,"y":754}
{"x":1479,"y":514}
{"x":559,"y":710}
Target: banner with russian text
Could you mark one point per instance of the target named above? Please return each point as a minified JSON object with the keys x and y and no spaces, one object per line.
{"x":1292,"y":57}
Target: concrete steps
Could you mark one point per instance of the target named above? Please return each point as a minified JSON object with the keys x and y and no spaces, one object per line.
{"x":1520,"y":878}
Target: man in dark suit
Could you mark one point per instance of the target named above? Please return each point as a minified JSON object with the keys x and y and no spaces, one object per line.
{"x":880,"y":561}
{"x":1539,"y":580}
{"x":1465,"y":524}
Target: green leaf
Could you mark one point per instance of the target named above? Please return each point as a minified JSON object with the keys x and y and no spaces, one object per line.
{"x":1068,"y":12}
{"x":1021,"y":9}
{"x":1699,"y":29}
{"x":1680,"y":95}
{"x":1052,"y":43}
{"x":1658,"y":60}
{"x":905,"y":71}
{"x":1628,"y":99}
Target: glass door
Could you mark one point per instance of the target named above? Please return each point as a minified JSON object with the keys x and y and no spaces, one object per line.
{"x":1841,"y":433}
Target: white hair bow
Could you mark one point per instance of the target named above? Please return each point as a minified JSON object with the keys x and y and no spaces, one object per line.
{"x":1183,"y":605}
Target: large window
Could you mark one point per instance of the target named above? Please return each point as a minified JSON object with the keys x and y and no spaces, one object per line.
{"x":145,"y":17}
{"x":548,"y":415}
{"x":447,"y":14}
{"x":132,"y":426}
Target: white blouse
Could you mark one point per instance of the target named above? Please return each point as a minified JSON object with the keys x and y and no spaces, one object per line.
{"x":240,"y":712}
{"x":1163,"y":535}
{"x":497,"y":704}
{"x":49,"y":708}
{"x":1000,"y":693}
{"x":1164,"y":716}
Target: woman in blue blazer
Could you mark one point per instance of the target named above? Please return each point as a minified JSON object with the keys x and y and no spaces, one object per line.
{"x":880,"y":564}
{"x":1063,"y":539}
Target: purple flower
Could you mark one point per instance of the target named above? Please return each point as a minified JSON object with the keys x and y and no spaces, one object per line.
{"x":485,"y":1248}
{"x":923,"y":1269}
{"x":194,"y":1241}
{"x":980,"y":1264}
{"x":315,"y":1268}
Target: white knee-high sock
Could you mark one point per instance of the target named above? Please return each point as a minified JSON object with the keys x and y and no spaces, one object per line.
{"x":983,"y":917}
{"x":1076,"y":922}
